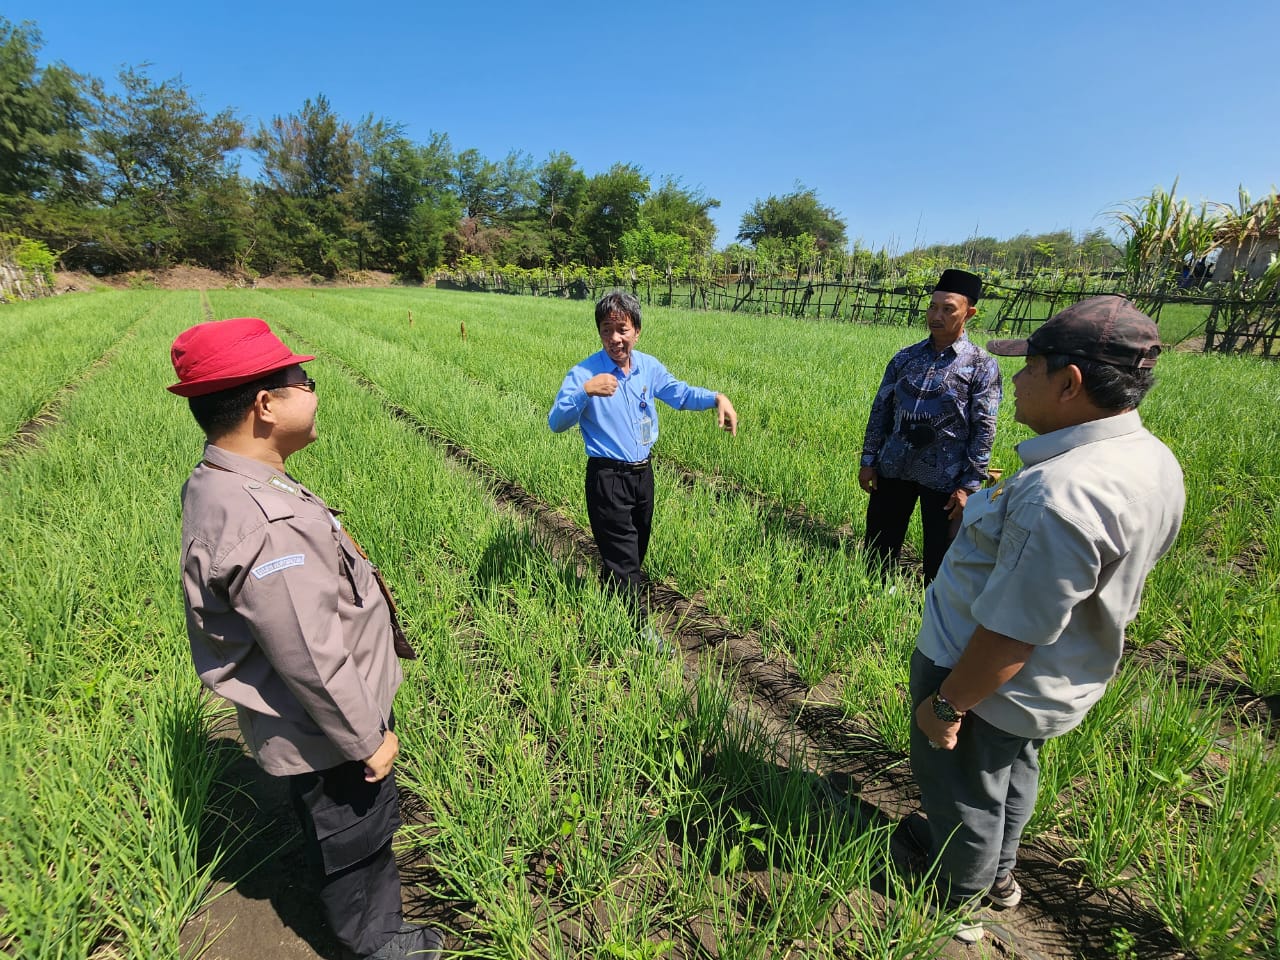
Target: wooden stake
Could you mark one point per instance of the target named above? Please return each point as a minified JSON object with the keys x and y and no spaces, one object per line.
{"x":462,"y":326}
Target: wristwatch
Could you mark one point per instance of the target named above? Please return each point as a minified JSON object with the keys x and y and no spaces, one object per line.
{"x":944,"y":711}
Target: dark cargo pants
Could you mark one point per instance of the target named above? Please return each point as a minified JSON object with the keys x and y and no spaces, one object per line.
{"x":347,"y":826}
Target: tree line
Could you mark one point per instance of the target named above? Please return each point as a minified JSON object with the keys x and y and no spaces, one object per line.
{"x":140,"y":176}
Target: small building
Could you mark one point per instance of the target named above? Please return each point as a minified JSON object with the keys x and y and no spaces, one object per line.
{"x":1252,"y":255}
{"x":1248,"y":238}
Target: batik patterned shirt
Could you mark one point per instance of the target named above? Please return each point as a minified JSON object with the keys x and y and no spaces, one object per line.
{"x":934,"y":417}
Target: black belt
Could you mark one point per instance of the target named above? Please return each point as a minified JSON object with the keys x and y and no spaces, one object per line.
{"x":627,"y":466}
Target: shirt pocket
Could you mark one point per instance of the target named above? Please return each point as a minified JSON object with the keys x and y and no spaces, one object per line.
{"x":981,"y":527}
{"x":1012,"y":539}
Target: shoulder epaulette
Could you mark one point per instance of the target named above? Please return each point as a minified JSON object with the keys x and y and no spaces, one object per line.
{"x":276,"y":498}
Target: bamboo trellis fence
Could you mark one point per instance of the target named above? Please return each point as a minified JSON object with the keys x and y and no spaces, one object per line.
{"x":1233,"y":324}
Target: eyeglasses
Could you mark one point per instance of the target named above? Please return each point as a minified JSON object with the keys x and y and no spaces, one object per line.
{"x":308,"y":385}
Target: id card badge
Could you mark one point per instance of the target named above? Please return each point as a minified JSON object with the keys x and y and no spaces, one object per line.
{"x":645,"y":428}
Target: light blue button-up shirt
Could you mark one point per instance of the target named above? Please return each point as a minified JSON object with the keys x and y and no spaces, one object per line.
{"x":614,"y":427}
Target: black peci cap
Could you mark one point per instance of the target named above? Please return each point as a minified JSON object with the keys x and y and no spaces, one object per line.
{"x":961,"y":282}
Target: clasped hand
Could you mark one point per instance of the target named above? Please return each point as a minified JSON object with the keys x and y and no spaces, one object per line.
{"x":601,"y":385}
{"x":941,"y":734}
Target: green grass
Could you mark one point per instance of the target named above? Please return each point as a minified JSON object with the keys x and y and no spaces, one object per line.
{"x":582,"y":797}
{"x":50,"y":343}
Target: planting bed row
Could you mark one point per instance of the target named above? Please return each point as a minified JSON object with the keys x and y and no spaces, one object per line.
{"x":578,"y":795}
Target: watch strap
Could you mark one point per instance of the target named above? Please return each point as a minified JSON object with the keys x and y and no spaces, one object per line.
{"x":944,"y":711}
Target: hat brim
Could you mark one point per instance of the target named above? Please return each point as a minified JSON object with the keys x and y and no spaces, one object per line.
{"x":1008,"y":348}
{"x":201,"y":388}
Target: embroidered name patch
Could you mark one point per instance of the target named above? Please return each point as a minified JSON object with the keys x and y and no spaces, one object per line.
{"x":274,"y":566}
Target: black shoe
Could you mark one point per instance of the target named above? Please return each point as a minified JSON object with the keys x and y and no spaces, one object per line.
{"x":421,"y":943}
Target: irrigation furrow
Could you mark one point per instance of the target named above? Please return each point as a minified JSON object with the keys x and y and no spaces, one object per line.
{"x":28,"y":435}
{"x":857,"y":772}
{"x":1251,"y":709}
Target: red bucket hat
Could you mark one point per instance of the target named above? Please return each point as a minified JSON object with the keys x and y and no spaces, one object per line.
{"x":226,"y":353}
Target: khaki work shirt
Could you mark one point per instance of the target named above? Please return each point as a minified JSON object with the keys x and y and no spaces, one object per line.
{"x":284,"y":616}
{"x":1056,"y":556}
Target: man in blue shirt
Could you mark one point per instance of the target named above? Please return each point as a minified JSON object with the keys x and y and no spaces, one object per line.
{"x":930,"y":431}
{"x":612,"y":397}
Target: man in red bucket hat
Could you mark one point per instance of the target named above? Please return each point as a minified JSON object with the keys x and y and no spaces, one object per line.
{"x":290,"y":622}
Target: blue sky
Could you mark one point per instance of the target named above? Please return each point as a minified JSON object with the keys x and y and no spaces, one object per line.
{"x":918,"y":122}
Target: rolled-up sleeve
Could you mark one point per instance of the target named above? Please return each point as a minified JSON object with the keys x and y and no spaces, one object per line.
{"x":286,"y":589}
{"x":1046,"y":565}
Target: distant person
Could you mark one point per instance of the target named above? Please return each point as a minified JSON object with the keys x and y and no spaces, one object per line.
{"x":612,"y":397}
{"x":930,"y":431}
{"x":1024,"y":627}
{"x":289,"y":622}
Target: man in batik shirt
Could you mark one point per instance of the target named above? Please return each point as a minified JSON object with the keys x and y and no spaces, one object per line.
{"x":930,"y":431}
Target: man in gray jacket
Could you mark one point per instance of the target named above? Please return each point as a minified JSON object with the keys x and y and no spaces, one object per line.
{"x":1024,"y":626}
{"x":287,"y":620}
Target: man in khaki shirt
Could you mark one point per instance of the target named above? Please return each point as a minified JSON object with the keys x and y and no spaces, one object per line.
{"x":1024,"y":627}
{"x":287,"y":620}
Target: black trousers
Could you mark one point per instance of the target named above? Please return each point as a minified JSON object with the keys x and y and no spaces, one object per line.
{"x":347,"y":826}
{"x":620,"y":507}
{"x":889,"y":512}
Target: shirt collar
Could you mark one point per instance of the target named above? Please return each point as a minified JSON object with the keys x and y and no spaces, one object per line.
{"x":253,"y":469}
{"x":1048,"y":445}
{"x":617,"y":370}
{"x":954,"y":348}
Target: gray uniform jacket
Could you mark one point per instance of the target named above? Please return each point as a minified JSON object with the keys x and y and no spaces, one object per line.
{"x":284,"y":616}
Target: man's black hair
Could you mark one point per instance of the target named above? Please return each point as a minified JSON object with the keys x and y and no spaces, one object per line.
{"x":221,"y":412}
{"x":1108,"y":386}
{"x":620,"y":301}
